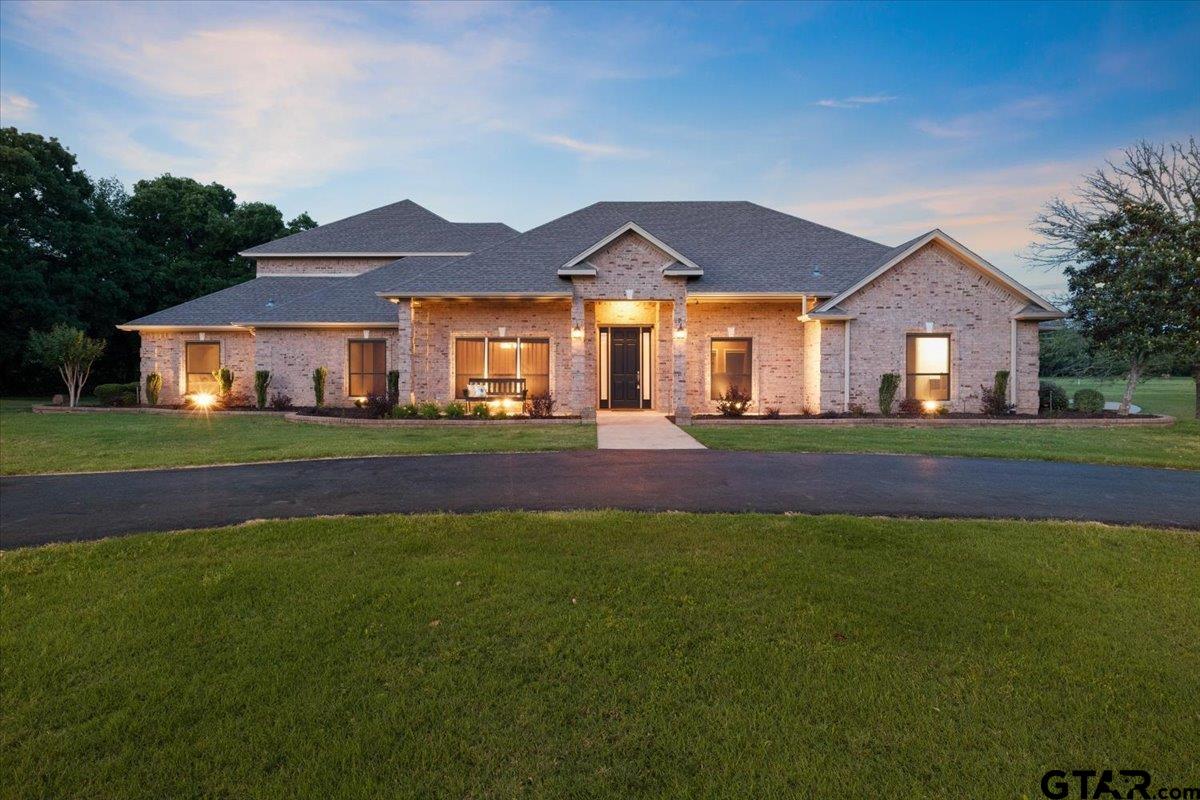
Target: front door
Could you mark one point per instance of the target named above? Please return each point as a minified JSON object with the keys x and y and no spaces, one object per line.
{"x":625,"y":388}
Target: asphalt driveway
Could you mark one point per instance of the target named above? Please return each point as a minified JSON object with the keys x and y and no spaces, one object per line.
{"x":51,"y":508}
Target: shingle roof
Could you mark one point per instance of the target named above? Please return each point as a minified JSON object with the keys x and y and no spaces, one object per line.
{"x":245,"y":300}
{"x":742,"y":248}
{"x":402,"y":227}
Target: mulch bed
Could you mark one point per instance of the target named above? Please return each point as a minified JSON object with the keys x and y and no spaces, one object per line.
{"x":952,"y":415}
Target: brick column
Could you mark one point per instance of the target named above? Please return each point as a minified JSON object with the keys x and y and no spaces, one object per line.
{"x":579,"y":383}
{"x":683,"y":414}
{"x":404,"y":350}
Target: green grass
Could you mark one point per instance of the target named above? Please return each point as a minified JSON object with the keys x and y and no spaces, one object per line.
{"x":598,"y":655}
{"x":1176,"y":446}
{"x":34,"y":443}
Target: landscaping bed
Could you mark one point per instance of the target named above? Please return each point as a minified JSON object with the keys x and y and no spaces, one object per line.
{"x":359,"y":416}
{"x":1065,"y":419}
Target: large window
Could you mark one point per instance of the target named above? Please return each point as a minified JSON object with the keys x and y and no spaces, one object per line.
{"x":484,"y":357}
{"x":203,"y":359}
{"x":928,"y":366}
{"x":731,"y":360}
{"x":368,"y":367}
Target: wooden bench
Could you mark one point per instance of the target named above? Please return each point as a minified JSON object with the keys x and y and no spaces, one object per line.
{"x":495,"y":389}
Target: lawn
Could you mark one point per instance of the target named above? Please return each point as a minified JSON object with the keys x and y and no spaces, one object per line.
{"x":1175,"y":446}
{"x":34,"y":443}
{"x":598,"y":655}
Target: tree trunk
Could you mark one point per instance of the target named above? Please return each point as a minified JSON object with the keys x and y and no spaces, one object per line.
{"x":1135,"y":372}
{"x":1196,"y":380}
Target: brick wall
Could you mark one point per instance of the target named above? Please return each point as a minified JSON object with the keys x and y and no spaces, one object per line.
{"x":291,"y":354}
{"x":933,"y":285}
{"x":163,"y":352}
{"x":351,"y":265}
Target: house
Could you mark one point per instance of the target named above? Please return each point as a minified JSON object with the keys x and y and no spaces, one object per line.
{"x":644,"y":305}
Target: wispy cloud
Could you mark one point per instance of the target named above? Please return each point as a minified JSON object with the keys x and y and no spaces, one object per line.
{"x":1012,"y":118}
{"x":856,"y":101}
{"x":590,"y":149}
{"x":16,"y":108}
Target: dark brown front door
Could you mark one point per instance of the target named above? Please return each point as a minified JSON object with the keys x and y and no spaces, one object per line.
{"x":625,"y":388}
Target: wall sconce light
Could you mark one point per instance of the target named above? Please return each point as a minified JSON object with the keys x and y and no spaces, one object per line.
{"x":577,"y":332}
{"x":680,"y":332}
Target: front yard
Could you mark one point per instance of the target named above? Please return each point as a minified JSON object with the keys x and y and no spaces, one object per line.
{"x":599,"y":655}
{"x":1175,"y":446}
{"x":36,"y":443}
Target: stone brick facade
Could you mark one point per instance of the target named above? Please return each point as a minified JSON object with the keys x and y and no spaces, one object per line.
{"x":933,"y":290}
{"x":797,"y":366}
{"x":317,"y":267}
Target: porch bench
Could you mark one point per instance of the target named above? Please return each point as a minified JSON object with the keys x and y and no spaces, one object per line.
{"x":481,"y":390}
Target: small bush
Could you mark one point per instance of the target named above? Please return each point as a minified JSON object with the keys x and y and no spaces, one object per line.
{"x":378,"y":406}
{"x":1051,"y":398}
{"x":406,"y":411}
{"x":994,"y":398}
{"x":393,"y":386}
{"x":429,"y":411}
{"x":280,"y":402}
{"x":1089,"y":401}
{"x":857,"y":410}
{"x":117,"y":394}
{"x":153,"y":388}
{"x":910,"y":407}
{"x":262,"y":382}
{"x":771,"y":412}
{"x":224,"y":378}
{"x":455,"y":411}
{"x":888,"y":384}
{"x":319,"y":376}
{"x":481,"y":411}
{"x":541,"y":406}
{"x":733,"y":403}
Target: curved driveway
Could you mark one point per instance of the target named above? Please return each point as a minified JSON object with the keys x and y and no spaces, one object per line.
{"x":41,"y":509}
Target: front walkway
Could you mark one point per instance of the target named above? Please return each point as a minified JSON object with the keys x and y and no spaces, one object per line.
{"x":640,"y":430}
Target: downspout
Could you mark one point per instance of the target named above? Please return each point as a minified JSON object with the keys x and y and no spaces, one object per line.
{"x":846,"y":367}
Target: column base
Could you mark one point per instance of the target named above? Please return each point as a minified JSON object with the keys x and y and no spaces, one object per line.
{"x":683,"y":415}
{"x":588,"y":414}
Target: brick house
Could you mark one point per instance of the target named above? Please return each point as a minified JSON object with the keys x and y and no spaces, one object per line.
{"x":655,"y":305}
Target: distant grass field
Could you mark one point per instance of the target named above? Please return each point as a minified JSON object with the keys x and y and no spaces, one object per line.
{"x":606,"y":655}
{"x":34,"y":443}
{"x":1175,"y":446}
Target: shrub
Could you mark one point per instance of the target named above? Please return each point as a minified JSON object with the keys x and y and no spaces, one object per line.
{"x":224,"y":378}
{"x":153,"y":388}
{"x":262,"y":382}
{"x":888,"y":384}
{"x":1051,"y":398}
{"x":429,"y":411}
{"x":771,"y":412}
{"x":541,"y":406}
{"x":733,"y":403}
{"x":910,"y":407}
{"x":393,"y":386}
{"x":1089,"y":401}
{"x":994,"y":398}
{"x":117,"y":394}
{"x":319,"y":376}
{"x":857,"y":410}
{"x":280,"y":401}
{"x":406,"y":411}
{"x":481,"y":411}
{"x":455,"y":410}
{"x":378,"y":406}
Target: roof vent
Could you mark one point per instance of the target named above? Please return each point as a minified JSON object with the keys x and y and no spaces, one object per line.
{"x":270,"y":302}
{"x":816,"y":272}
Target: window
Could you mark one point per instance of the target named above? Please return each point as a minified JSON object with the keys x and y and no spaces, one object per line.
{"x":484,"y":357}
{"x":928,"y":367}
{"x":203,"y":359}
{"x":731,"y":360}
{"x":368,"y":367}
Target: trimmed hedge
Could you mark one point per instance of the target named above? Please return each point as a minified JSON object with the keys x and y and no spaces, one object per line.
{"x":1051,"y":398}
{"x":1089,"y":401}
{"x":117,"y":394}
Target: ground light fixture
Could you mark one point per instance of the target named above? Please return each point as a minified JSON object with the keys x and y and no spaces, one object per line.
{"x":930,"y":406}
{"x":202,"y":401}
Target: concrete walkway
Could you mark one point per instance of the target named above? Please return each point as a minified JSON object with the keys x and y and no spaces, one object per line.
{"x":640,"y":430}
{"x":54,"y":508}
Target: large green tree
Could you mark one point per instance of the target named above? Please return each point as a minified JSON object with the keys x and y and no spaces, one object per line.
{"x":87,"y":253}
{"x":1128,"y":244}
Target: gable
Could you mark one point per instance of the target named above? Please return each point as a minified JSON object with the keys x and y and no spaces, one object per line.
{"x":675,"y":262}
{"x":629,"y":263}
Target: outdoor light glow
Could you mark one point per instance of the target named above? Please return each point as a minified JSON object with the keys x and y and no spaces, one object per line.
{"x":929,"y":406}
{"x":508,"y":345}
{"x":577,"y":332}
{"x":681,"y":332}
{"x":203,"y":400}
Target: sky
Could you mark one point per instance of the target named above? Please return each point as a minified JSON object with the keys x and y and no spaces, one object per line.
{"x":885,"y":120}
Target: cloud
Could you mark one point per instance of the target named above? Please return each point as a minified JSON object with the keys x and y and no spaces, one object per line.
{"x":856,"y":101}
{"x":591,"y":149}
{"x":1009,"y":119}
{"x":16,"y":108}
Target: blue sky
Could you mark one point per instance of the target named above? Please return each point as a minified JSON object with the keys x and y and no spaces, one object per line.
{"x":882,"y":119}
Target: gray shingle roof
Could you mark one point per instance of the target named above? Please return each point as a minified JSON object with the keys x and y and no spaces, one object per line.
{"x":742,"y":247}
{"x":245,"y":300}
{"x":402,"y":227}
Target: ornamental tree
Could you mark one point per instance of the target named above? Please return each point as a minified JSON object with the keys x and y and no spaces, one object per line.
{"x":70,"y":351}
